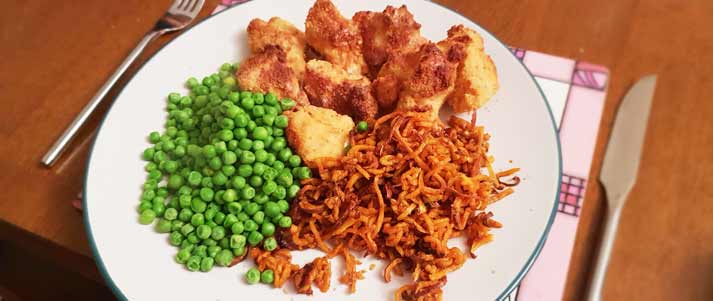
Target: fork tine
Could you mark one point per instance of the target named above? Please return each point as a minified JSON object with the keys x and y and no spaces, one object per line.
{"x":193,"y":5}
{"x":176,"y":4}
{"x":198,"y":6}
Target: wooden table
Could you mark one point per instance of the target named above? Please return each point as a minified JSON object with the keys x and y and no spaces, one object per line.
{"x":55,"y":55}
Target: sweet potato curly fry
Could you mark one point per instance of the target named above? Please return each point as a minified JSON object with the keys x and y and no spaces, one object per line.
{"x":405,"y":188}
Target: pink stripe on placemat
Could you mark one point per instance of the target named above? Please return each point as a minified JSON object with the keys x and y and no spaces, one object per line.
{"x":580,"y":126}
{"x":549,"y":66}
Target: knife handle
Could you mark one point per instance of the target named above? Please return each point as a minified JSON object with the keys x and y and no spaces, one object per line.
{"x":607,"y":242}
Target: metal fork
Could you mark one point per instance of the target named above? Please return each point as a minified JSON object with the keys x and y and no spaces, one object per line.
{"x":179,"y":15}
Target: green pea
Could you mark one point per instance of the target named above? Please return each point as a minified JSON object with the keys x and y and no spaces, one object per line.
{"x":213,"y":250}
{"x":267,"y":228}
{"x":284,"y":154}
{"x":269,"y":187}
{"x":259,"y":217}
{"x":270,"y":99}
{"x":154,"y":137}
{"x":163,"y":226}
{"x":259,"y":98}
{"x":285,"y":178}
{"x":237,"y":227}
{"x":145,"y":205}
{"x":270,"y":159}
{"x":278,"y":166}
{"x":148,"y":154}
{"x":254,"y":238}
{"x":259,"y":168}
{"x":270,"y":172}
{"x":261,"y":198}
{"x":183,"y":255}
{"x":224,"y":257}
{"x":155,"y":175}
{"x":247,"y":103}
{"x":261,"y":155}
{"x":175,"y":238}
{"x":256,"y":181}
{"x":185,"y":215}
{"x":223,"y":243}
{"x":281,"y":121}
{"x":207,"y":194}
{"x":230,"y":219}
{"x":267,"y":276}
{"x":197,"y":219}
{"x":294,"y":161}
{"x":257,"y":111}
{"x":287,"y":104}
{"x":209,"y":151}
{"x":158,"y":208}
{"x":193,"y":263}
{"x":251,"y":208}
{"x":273,"y":110}
{"x":203,"y":231}
{"x":269,"y":244}
{"x":239,"y":251}
{"x":245,"y":170}
{"x":230,"y":195}
{"x":220,"y":147}
{"x":209,"y":213}
{"x":247,"y":193}
{"x":234,"y":208}
{"x":277,"y":146}
{"x":228,"y":170}
{"x":243,"y":217}
{"x":219,"y":217}
{"x":170,"y":214}
{"x":218,"y":233}
{"x":292,"y":191}
{"x":192,"y":238}
{"x":185,"y":201}
{"x":237,"y":241}
{"x":251,"y":126}
{"x":247,"y":157}
{"x":272,"y":209}
{"x":304,"y":173}
{"x":280,"y":193}
{"x":238,"y":182}
{"x":197,"y":205}
{"x":215,"y":163}
{"x":147,"y":217}
{"x":268,"y":120}
{"x":208,"y":242}
{"x":241,"y":120}
{"x":278,"y":132}
{"x":285,"y":222}
{"x":230,"y":158}
{"x":219,"y":179}
{"x":201,"y":251}
{"x":187,"y":229}
{"x":252,"y":276}
{"x":176,"y":225}
{"x":250,"y":225}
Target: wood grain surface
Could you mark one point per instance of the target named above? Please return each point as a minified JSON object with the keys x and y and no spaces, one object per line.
{"x":56,"y":54}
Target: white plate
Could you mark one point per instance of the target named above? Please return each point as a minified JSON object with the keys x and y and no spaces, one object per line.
{"x":138,"y":263}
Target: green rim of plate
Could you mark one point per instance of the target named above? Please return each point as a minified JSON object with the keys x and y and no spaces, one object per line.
{"x":120,"y":295}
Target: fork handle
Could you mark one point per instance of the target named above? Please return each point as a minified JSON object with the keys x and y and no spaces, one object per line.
{"x":59,"y":146}
{"x":611,"y":221}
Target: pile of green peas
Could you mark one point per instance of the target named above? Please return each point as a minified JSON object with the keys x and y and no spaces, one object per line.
{"x":220,"y":176}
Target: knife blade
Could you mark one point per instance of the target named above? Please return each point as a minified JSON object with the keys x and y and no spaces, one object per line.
{"x":620,"y":168}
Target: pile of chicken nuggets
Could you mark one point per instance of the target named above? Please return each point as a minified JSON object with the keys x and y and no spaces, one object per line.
{"x":362,"y":67}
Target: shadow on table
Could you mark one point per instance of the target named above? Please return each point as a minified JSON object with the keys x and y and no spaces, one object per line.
{"x":24,"y":276}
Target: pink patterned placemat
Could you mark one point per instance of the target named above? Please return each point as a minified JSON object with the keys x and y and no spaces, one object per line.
{"x":576,"y":92}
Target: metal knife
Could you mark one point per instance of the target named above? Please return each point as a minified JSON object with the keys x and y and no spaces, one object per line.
{"x":620,"y":168}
